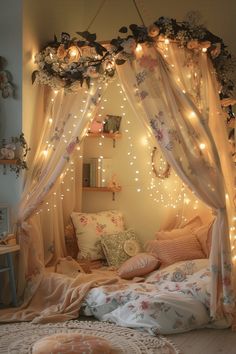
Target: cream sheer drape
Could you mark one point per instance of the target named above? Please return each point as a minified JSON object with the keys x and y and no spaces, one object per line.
{"x":174,"y":92}
{"x":170,"y":97}
{"x":52,"y":188}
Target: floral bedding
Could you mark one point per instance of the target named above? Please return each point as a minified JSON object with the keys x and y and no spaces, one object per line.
{"x":175,"y":299}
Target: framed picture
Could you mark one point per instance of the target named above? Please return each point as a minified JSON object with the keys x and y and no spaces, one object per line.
{"x":4,"y":219}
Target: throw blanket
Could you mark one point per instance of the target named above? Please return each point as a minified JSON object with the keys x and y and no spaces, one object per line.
{"x":59,"y":297}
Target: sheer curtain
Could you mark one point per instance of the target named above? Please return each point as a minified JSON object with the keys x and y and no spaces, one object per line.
{"x":169,"y":101}
{"x":52,"y":187}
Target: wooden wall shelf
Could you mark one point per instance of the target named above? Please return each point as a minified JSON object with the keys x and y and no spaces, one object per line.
{"x":113,"y":136}
{"x":106,"y":135}
{"x":8,"y":162}
{"x":102,"y":189}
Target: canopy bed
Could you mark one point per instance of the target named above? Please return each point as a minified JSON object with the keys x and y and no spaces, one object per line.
{"x":169,"y":74}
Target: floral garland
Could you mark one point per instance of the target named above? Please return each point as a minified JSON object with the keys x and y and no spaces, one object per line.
{"x":70,"y":62}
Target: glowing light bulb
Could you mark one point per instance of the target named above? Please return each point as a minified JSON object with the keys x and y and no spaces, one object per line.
{"x":166,"y":41}
{"x":204,"y":50}
{"x":138,"y":48}
{"x":202,"y":146}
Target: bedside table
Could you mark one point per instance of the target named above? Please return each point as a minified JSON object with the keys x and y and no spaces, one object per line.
{"x":8,"y":251}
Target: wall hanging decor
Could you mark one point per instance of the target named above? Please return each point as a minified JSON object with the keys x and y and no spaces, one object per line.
{"x":6,"y":85}
{"x":13,"y":152}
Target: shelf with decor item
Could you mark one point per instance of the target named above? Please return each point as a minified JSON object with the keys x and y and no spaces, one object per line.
{"x":113,"y":136}
{"x":13,"y":152}
{"x":8,"y":162}
{"x":103,"y":189}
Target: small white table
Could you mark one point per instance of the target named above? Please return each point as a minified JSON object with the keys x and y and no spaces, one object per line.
{"x":8,"y":251}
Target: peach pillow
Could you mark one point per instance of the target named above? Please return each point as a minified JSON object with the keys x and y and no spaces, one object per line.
{"x":204,"y":235}
{"x":180,"y":249}
{"x":188,"y":228}
{"x":67,"y":343}
{"x":139,"y":265}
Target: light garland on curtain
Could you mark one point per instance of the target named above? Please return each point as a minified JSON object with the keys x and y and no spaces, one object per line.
{"x":157,"y":190}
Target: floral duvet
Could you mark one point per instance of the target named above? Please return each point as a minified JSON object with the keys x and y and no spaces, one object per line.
{"x":172,"y":300}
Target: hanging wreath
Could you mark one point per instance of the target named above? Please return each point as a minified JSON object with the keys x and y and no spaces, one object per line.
{"x":164,"y":173}
{"x":69,"y":62}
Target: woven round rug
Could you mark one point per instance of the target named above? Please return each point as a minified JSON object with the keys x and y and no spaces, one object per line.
{"x":19,"y":338}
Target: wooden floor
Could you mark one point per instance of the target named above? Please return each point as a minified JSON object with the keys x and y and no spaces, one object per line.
{"x":205,"y":341}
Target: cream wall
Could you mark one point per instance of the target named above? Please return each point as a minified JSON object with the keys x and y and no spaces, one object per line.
{"x":41,"y":19}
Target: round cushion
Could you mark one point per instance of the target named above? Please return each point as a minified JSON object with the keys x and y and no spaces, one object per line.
{"x":68,"y":343}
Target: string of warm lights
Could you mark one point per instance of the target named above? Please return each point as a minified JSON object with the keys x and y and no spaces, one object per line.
{"x":170,"y":195}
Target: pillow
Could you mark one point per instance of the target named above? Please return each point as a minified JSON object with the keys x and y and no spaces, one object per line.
{"x":204,"y":235}
{"x":65,"y":343}
{"x":189,"y":227}
{"x":119,"y":247}
{"x":186,"y":268}
{"x":91,"y":226}
{"x":175,"y":250}
{"x":139,"y":265}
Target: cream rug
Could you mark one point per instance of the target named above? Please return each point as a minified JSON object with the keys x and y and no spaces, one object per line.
{"x":18,"y":338}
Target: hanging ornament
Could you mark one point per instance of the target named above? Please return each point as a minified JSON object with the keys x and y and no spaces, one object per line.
{"x":162,"y":172}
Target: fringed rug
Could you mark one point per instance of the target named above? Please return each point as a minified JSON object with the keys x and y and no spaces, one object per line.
{"x":19,"y":338}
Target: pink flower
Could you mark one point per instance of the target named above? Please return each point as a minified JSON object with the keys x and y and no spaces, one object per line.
{"x":226,"y":281}
{"x":153,"y":30}
{"x":193,"y":44}
{"x":144,"y":305}
{"x":83,"y":220}
{"x":146,"y":61}
{"x":160,"y":134}
{"x":71,"y":146}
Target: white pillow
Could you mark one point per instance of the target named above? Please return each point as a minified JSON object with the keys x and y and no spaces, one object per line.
{"x":90,"y":227}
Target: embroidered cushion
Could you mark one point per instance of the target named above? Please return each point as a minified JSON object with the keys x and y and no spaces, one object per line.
{"x":189,"y":227}
{"x":91,"y":226}
{"x":120,"y":246}
{"x":67,"y":343}
{"x":139,"y":265}
{"x":174,"y":250}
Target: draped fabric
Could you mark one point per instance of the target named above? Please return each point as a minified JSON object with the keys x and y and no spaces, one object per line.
{"x":54,"y":181}
{"x":166,"y":88}
{"x":175,"y":94}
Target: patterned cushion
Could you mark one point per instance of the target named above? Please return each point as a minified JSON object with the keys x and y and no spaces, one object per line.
{"x":139,"y":265}
{"x":120,"y":246}
{"x":67,"y":343}
{"x":175,"y":250}
{"x":91,"y":226}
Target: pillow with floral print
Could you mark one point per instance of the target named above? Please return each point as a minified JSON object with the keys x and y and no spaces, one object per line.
{"x":90,"y":227}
